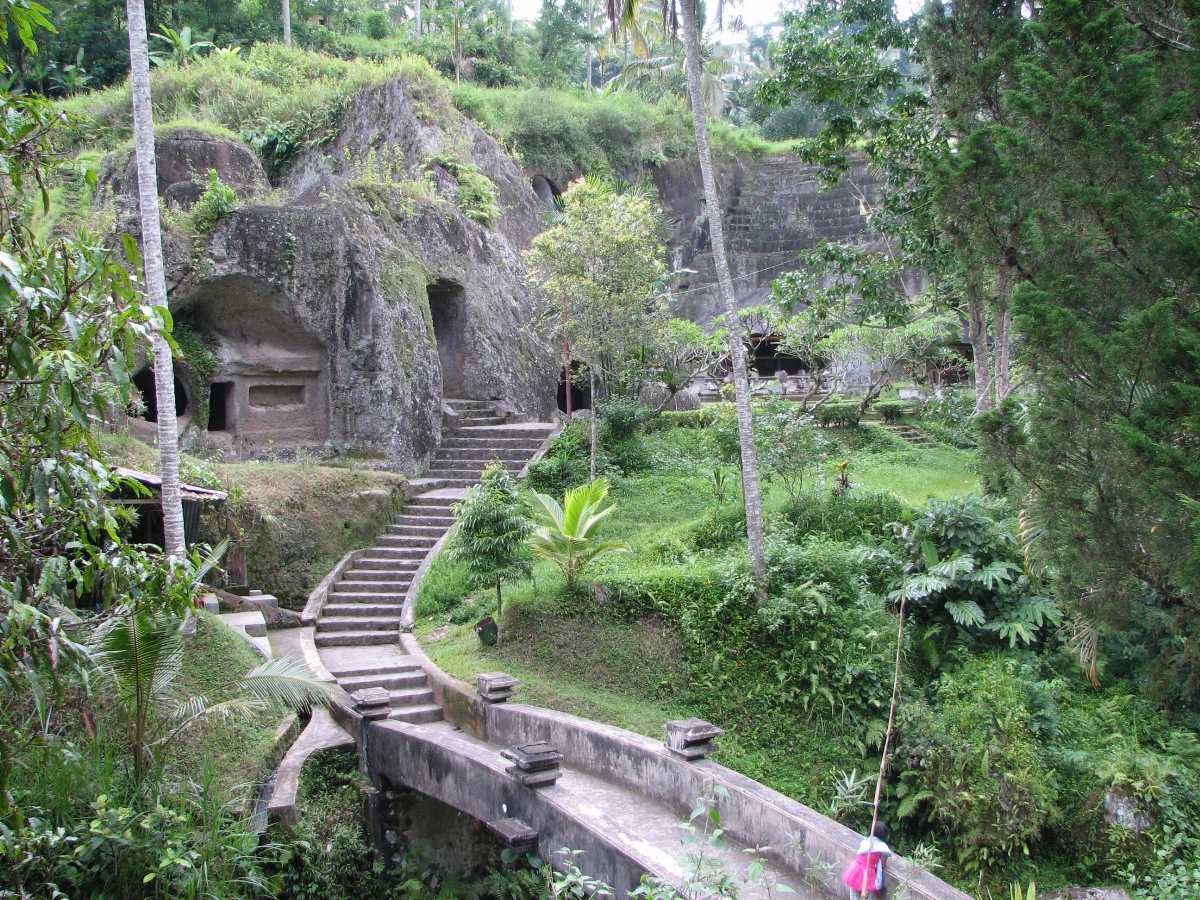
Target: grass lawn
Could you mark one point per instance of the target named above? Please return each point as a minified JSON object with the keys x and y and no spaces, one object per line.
{"x":917,"y":475}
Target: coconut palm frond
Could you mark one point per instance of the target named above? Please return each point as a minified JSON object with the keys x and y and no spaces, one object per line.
{"x":285,"y":682}
{"x":143,"y":652}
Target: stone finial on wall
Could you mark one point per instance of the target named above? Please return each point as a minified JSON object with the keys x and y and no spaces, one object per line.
{"x":692,"y":739}
{"x":534,"y":765}
{"x":495,"y":687}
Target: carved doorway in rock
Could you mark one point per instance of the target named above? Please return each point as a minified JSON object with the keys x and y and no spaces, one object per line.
{"x":447,"y":307}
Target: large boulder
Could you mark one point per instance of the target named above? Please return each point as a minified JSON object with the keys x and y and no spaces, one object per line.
{"x":183,"y":159}
{"x":342,"y":316}
{"x":654,"y":395}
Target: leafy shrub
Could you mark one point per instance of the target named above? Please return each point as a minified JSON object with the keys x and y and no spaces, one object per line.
{"x":838,"y":413}
{"x":948,"y":417}
{"x":565,"y":464}
{"x":871,"y":439}
{"x":971,"y":763}
{"x":849,"y":516}
{"x":796,"y":120}
{"x":622,"y":422}
{"x":444,"y":586}
{"x":703,"y":417}
{"x":790,"y":447}
{"x":217,"y":201}
{"x":378,"y":25}
{"x":965,"y":579}
{"x":892,"y":411}
{"x":722,"y":526}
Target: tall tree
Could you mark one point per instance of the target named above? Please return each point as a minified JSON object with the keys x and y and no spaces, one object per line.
{"x":155,"y":281}
{"x":599,"y":266}
{"x":686,"y":12}
{"x":287,"y":21}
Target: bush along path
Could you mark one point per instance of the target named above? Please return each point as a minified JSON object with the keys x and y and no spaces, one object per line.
{"x":358,"y":627}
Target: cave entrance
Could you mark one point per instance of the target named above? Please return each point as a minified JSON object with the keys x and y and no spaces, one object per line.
{"x":581,"y":391}
{"x":767,"y":359}
{"x":546,"y":191}
{"x":447,"y":307}
{"x":220,"y":393}
{"x":144,"y":382}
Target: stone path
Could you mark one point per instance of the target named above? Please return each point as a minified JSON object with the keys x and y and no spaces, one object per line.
{"x":358,"y":629}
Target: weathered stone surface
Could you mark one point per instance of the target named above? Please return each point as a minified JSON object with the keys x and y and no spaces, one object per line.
{"x":1088,"y":893}
{"x":656,"y":396}
{"x":774,"y":209}
{"x":343,"y":316}
{"x":184,"y":156}
{"x":275,"y":616}
{"x":1126,"y":812}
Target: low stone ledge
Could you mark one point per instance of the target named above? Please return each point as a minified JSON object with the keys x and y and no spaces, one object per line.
{"x":514,"y":834}
{"x":316,"y":599}
{"x":322,"y":733}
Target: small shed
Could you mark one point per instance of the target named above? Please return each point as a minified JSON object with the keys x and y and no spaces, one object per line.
{"x":148,"y":504}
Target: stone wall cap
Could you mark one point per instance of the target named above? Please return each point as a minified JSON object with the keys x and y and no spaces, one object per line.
{"x":495,"y":681}
{"x":692,"y":730}
{"x":535,"y":756}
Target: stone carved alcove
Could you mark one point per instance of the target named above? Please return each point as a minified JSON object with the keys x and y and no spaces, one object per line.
{"x":270,"y":383}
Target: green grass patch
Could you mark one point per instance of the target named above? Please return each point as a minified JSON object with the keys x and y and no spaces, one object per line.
{"x":238,"y":751}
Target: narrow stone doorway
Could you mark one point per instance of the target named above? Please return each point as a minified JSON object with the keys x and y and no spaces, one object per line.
{"x":144,"y":382}
{"x":219,"y":399}
{"x":447,"y":307}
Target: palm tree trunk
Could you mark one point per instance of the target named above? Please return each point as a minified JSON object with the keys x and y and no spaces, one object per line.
{"x":737,"y":347}
{"x":287,"y":23}
{"x":419,"y":2}
{"x":587,"y":77}
{"x":592,"y":436}
{"x":155,"y":286}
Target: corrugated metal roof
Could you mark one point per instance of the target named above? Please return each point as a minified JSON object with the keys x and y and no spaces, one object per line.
{"x":189,"y":491}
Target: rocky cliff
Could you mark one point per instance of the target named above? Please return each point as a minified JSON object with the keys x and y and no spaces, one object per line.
{"x":380,"y":274}
{"x":774,"y":208}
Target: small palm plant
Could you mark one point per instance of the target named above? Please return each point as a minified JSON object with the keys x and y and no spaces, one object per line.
{"x":566,"y":535}
{"x":143,"y":653}
{"x":178,"y":46}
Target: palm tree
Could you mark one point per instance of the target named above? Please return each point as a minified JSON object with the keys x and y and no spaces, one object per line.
{"x":156,"y":286}
{"x":143,"y":654}
{"x":566,"y":534}
{"x":287,"y":21}
{"x":621,"y":12}
{"x":179,"y":46}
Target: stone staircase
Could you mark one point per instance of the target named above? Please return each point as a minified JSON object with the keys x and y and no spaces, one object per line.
{"x":914,"y":436}
{"x":358,"y":629}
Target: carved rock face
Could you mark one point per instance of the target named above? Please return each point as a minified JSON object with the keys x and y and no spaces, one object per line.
{"x":183,"y":158}
{"x":319,"y":308}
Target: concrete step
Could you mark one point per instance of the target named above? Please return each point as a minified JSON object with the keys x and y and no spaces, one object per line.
{"x":376,"y":556}
{"x":502,"y":432}
{"x":440,"y":505}
{"x":462,"y":441}
{"x":382,"y":570}
{"x":464,"y":403}
{"x":399,"y":541}
{"x":416,"y":530}
{"x":410,"y":697}
{"x":387,"y":665}
{"x":328,"y":624}
{"x":431,"y":516}
{"x":339,"y":596}
{"x":397,"y":585}
{"x":360,"y":610}
{"x":465,"y":474}
{"x":483,"y":453}
{"x":392,"y":681}
{"x":469,"y":420}
{"x":480,"y":463}
{"x":417,"y":715}
{"x":356,"y":638}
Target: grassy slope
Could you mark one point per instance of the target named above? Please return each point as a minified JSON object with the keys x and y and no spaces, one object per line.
{"x":238,"y":751}
{"x":627,"y":674}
